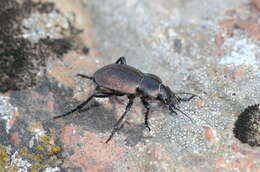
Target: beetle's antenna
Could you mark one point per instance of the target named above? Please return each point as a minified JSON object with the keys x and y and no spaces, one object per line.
{"x":173,"y":108}
{"x":193,"y":95}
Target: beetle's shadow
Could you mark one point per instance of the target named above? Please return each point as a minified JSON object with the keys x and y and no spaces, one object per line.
{"x":100,"y":119}
{"x":93,"y":117}
{"x":134,"y":134}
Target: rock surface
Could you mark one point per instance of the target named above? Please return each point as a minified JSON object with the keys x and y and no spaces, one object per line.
{"x":210,"y":48}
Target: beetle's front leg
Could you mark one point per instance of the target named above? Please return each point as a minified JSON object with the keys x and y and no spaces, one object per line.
{"x":120,"y":122}
{"x":186,"y":99}
{"x":172,"y":108}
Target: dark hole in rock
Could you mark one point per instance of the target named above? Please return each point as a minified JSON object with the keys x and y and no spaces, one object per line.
{"x":247,"y":126}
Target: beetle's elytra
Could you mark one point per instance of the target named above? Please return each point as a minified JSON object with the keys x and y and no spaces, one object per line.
{"x":120,"y":79}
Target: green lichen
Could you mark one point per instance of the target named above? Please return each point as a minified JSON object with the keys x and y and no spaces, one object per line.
{"x":41,"y":155}
{"x":5,"y":161}
{"x":40,"y":148}
{"x":4,"y":157}
{"x":54,"y":150}
{"x":46,"y":140}
{"x":36,"y":167}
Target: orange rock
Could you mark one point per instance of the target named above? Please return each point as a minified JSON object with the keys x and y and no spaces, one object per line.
{"x":251,"y":26}
{"x":219,"y":40}
{"x":256,"y":170}
{"x":256,"y":3}
{"x":220,"y":161}
{"x":14,"y":138}
{"x":50,"y":102}
{"x":14,"y":114}
{"x":209,"y":134}
{"x":226,"y":23}
{"x":69,"y":136}
{"x":233,"y":75}
{"x":96,"y":155}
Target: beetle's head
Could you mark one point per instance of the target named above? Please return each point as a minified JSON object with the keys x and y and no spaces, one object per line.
{"x":167,"y":96}
{"x":171,"y":99}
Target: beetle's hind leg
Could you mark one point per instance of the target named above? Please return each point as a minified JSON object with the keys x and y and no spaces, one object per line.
{"x":121,"y":60}
{"x":120,"y":122}
{"x":85,"y":76}
{"x":101,"y":95}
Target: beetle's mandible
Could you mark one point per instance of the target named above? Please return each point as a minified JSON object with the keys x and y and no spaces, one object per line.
{"x":120,"y":79}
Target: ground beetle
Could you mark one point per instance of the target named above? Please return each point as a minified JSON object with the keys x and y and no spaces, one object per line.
{"x":120,"y":79}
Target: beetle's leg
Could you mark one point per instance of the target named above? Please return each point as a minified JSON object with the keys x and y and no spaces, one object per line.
{"x":187,"y":99}
{"x":82,"y":104}
{"x":172,"y":109}
{"x":120,"y":122}
{"x":121,"y":60}
{"x":147,"y":107}
{"x":85,"y":76}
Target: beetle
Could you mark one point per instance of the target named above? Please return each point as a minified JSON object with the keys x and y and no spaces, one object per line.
{"x":120,"y":79}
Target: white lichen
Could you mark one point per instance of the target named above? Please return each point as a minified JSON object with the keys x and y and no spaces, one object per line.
{"x":22,"y":165}
{"x":50,"y":169}
{"x":240,"y":52}
{"x":5,"y":111}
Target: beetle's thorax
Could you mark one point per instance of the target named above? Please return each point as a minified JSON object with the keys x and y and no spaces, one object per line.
{"x":149,"y":86}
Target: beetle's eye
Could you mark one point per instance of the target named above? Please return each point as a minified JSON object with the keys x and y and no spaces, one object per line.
{"x":165,"y":100}
{"x":162,"y":98}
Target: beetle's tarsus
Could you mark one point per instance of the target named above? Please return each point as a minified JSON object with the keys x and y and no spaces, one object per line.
{"x":188,"y":99}
{"x":147,"y":126}
{"x":85,"y":76}
{"x":173,"y":111}
{"x":121,"y":60}
{"x":120,"y":122}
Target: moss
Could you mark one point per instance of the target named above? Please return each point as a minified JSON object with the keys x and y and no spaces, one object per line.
{"x":36,"y":167}
{"x":40,"y":148}
{"x":54,"y":150}
{"x":41,"y":155}
{"x":4,"y":157}
{"x":45,"y":140}
{"x":5,"y":161}
{"x":247,"y":126}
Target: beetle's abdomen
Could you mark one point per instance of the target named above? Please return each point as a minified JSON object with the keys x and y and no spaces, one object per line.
{"x":118,"y":77}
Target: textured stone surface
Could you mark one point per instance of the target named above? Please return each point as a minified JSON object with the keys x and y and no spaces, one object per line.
{"x":210,"y":48}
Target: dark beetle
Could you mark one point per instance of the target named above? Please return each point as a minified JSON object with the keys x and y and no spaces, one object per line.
{"x":120,"y":79}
